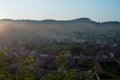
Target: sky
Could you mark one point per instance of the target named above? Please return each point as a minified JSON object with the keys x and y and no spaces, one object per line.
{"x":98,"y":10}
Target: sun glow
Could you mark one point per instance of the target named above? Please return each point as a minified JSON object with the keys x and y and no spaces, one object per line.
{"x":2,"y":29}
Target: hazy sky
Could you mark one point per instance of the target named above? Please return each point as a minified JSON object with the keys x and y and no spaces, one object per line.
{"x":99,"y":10}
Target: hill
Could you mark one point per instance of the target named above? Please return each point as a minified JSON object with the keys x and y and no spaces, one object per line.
{"x":81,"y":28}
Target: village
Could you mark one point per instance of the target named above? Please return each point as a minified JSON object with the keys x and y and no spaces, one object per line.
{"x":101,"y":59}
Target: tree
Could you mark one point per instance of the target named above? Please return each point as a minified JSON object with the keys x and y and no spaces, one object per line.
{"x":71,"y":74}
{"x":63,"y":72}
{"x":4,"y":75}
{"x":26,"y":71}
{"x":61,"y":62}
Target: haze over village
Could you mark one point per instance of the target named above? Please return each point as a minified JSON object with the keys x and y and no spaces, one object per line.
{"x":59,"y":40}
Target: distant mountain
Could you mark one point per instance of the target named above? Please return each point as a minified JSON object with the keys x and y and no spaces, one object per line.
{"x":81,"y":28}
{"x":81,"y":20}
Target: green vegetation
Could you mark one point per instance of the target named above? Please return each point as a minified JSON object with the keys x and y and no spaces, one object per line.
{"x":4,"y":75}
{"x":67,"y":75}
{"x":63,"y":72}
{"x":27,"y":70}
